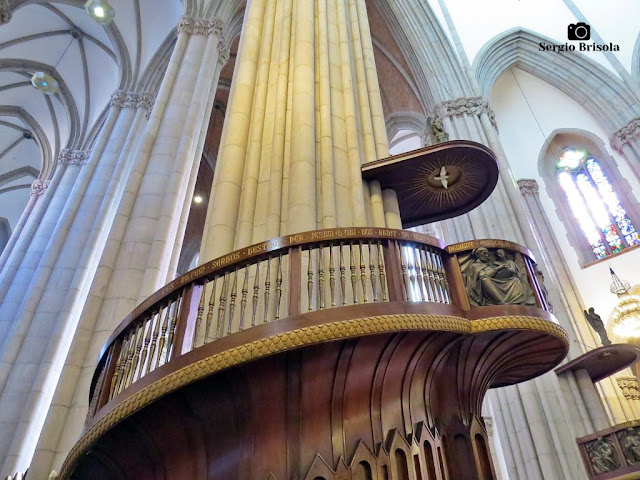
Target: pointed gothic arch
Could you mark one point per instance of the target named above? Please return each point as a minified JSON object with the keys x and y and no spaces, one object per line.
{"x":429,"y":62}
{"x":602,"y":94}
{"x":558,"y":141}
{"x":40,"y":137}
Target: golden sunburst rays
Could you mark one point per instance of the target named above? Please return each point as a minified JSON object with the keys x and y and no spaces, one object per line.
{"x":417,"y":191}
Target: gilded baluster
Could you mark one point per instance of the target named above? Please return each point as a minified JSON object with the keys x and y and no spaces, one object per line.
{"x":117,"y":374}
{"x":432,"y":279}
{"x":403,"y":268}
{"x":196,"y":333}
{"x":372,"y":272}
{"x":222,"y":303}
{"x":127,"y":361}
{"x":212,"y":304}
{"x":136,"y":356}
{"x":310,"y":281}
{"x":145,"y":347}
{"x":174,"y":323}
{"x":163,"y":334}
{"x":428,"y":277}
{"x":352,"y":269}
{"x":232,"y":303}
{"x":383,"y":273}
{"x":420,"y":278}
{"x":157,"y":320}
{"x":137,"y":365}
{"x":439,"y":280}
{"x":320,"y":279}
{"x":411,"y":270}
{"x":343,"y":277}
{"x":278,"y":286}
{"x":436,"y":276}
{"x":363,"y":275}
{"x":256,"y":292}
{"x":267,"y":291}
{"x":127,"y":364}
{"x":443,"y":277}
{"x":332,"y":278}
{"x":243,"y":300}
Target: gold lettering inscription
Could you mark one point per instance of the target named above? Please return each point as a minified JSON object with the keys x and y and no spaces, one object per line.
{"x":296,"y":238}
{"x":461,"y":246}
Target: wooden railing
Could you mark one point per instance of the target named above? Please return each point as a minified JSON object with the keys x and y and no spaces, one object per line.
{"x":286,"y":277}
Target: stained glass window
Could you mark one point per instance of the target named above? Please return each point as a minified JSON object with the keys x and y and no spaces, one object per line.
{"x":602,"y":218}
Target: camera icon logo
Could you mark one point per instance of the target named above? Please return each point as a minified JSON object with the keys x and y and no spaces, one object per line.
{"x":579,"y":31}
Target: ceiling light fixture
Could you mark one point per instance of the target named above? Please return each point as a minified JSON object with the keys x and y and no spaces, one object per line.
{"x":197,"y":199}
{"x":45,"y":83}
{"x":625,"y":318}
{"x":100,"y":11}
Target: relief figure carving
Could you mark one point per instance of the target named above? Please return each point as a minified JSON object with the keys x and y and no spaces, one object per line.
{"x":630,"y":442}
{"x":492,"y":278}
{"x":603,"y":456}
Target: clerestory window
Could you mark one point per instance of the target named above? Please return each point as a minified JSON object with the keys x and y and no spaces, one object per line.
{"x":603,"y":219}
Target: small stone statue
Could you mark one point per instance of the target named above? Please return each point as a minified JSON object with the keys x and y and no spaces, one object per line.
{"x":598,"y":325}
{"x":437,"y":130}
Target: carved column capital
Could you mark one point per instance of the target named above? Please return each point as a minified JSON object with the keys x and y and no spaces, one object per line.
{"x":118,"y":98}
{"x":122,"y":99}
{"x":145,"y":100}
{"x":75,"y":158}
{"x":528,"y":187}
{"x":466,"y":106}
{"x":5,"y":12}
{"x":223,"y":52}
{"x":627,"y":134}
{"x":198,"y":26}
{"x":39,"y":187}
{"x":629,"y":387}
{"x":138,"y":100}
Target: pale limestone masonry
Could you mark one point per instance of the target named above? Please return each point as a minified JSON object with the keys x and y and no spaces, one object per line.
{"x":266,"y":143}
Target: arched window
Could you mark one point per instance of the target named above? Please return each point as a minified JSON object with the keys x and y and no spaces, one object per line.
{"x":593,"y":199}
{"x":603,"y":220}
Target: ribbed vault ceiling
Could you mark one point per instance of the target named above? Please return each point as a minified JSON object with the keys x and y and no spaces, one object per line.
{"x":89,"y":61}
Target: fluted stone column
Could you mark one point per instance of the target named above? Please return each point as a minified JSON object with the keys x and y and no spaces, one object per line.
{"x":140,"y":249}
{"x":38,"y":187}
{"x":567,"y":296}
{"x":304,"y":114}
{"x":533,"y":420}
{"x":76,"y":221}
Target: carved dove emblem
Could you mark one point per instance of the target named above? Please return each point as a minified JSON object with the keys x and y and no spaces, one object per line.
{"x":443,"y":177}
